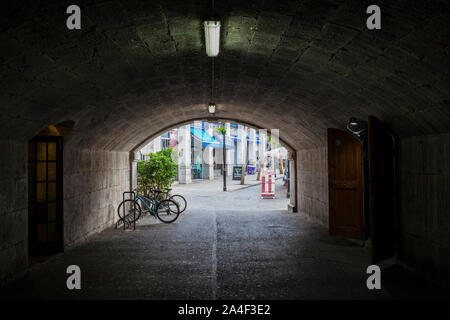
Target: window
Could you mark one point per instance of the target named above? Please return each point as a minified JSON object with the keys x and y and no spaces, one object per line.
{"x":45,"y":209}
{"x":233,"y":129}
{"x":165,"y":143}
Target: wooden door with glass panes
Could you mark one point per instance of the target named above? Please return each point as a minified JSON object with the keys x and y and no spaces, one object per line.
{"x":45,"y":195}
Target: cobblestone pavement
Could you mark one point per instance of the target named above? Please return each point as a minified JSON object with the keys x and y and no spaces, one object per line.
{"x":227,"y":245}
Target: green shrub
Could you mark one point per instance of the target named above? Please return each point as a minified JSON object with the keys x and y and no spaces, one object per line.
{"x":159,"y":170}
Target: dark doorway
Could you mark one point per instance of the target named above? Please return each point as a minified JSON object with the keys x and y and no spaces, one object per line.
{"x":381,"y":190}
{"x":345,"y":184}
{"x":45,"y":195}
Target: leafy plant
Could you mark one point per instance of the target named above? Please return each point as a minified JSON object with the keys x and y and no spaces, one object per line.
{"x":221,"y":130}
{"x":159,"y":170}
{"x":272,"y":143}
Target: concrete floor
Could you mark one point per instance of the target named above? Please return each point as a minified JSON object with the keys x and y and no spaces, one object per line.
{"x":227,"y":245}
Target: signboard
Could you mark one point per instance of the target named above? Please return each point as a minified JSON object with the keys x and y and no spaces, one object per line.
{"x":237,"y":173}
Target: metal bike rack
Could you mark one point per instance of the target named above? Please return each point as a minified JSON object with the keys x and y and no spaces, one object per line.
{"x":124,"y":219}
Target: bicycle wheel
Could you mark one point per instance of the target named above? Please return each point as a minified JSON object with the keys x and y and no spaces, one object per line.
{"x":180,"y":201}
{"x":130,"y":206}
{"x":167,"y":211}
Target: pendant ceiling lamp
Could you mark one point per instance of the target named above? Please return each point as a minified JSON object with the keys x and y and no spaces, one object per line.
{"x":212,"y":37}
{"x":212,"y":45}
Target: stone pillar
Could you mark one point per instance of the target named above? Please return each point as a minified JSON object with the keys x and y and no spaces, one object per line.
{"x":146,"y":150}
{"x":252,"y":146}
{"x":275,"y":135}
{"x":184,"y":148}
{"x":262,"y":144}
{"x":157,"y":144}
{"x":134,"y":157}
{"x":241,"y":145}
{"x":292,"y":206}
{"x":197,"y":155}
{"x":228,"y":151}
{"x":208,"y":160}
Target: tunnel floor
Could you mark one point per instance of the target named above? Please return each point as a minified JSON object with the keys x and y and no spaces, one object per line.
{"x":230,"y":246}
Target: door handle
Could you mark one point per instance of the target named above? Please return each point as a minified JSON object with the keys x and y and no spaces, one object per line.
{"x":331,"y":184}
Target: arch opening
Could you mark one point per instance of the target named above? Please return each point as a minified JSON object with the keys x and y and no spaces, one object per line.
{"x":208,"y":159}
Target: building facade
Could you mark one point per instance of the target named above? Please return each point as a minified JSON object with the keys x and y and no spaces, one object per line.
{"x":201,"y":148}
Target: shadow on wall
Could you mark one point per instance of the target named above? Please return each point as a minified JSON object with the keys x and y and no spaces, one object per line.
{"x":61,"y":129}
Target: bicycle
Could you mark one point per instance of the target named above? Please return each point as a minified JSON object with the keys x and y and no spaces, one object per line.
{"x":165,"y":210}
{"x":165,"y":195}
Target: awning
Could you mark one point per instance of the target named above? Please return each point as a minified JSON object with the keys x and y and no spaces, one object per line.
{"x":209,"y":141}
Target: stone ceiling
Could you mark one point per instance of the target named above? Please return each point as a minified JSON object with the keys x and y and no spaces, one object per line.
{"x":139,"y":66}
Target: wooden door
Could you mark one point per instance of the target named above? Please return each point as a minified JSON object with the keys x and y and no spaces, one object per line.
{"x":45,"y":195}
{"x":381,"y":190}
{"x":345,"y":189}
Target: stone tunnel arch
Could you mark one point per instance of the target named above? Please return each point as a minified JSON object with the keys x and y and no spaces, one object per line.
{"x":313,"y":63}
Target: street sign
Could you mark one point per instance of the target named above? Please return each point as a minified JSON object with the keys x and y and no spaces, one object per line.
{"x":237,"y":173}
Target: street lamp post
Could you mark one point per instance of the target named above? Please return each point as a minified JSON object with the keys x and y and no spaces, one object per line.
{"x":224,"y":166}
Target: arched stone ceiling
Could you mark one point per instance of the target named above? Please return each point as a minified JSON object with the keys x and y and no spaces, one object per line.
{"x":300,"y":66}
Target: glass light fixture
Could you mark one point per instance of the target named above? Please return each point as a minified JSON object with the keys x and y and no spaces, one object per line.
{"x":353,"y":122}
{"x":356,"y":126}
{"x":212,"y":37}
{"x":212,"y":107}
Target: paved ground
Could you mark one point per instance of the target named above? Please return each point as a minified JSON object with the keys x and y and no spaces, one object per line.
{"x":230,"y":246}
{"x":198,"y":186}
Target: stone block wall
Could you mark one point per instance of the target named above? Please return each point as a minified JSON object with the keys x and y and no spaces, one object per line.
{"x":93,"y":184}
{"x":94,"y":181}
{"x":312,"y":184}
{"x":13,"y":209}
{"x":424,"y":200}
